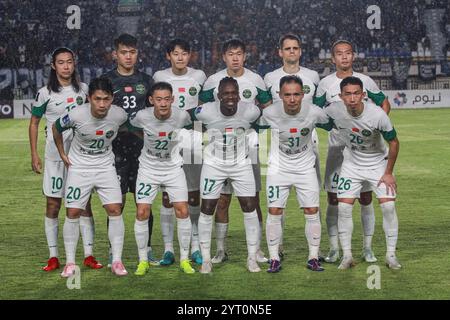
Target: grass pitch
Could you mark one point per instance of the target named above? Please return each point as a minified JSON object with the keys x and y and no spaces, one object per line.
{"x":423,"y":174}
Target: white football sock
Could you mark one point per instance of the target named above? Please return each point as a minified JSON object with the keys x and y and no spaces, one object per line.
{"x":258,"y":245}
{"x":251,"y":224}
{"x":273,"y":234}
{"x":313,"y":232}
{"x":184,"y":232}
{"x":141,"y":234}
{"x":332,"y":226}
{"x":87,"y":229}
{"x":51,"y":232}
{"x":368,"y":224}
{"x":204,"y":235}
{"x":194,"y":212}
{"x":116,"y":234}
{"x":71,"y":233}
{"x":167,"y":219}
{"x":345,"y":227}
{"x":221,"y":234}
{"x":390,"y":225}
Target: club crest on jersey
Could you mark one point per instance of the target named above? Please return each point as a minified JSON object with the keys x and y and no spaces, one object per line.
{"x":172,"y":135}
{"x":366,"y":133}
{"x":306,"y":89}
{"x":140,"y":88}
{"x":247,"y":93}
{"x":192,"y":91}
{"x":240,"y":131}
{"x":80,"y":100}
{"x":109,"y":134}
{"x":304,"y":131}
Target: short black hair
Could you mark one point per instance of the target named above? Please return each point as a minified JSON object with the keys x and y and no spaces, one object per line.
{"x":291,"y":79}
{"x":183,"y":44}
{"x":289,"y":36}
{"x":341,"y":41}
{"x":125,"y":39}
{"x":101,"y":83}
{"x":228,"y":80}
{"x":233,"y":44}
{"x":351,"y":80}
{"x":161,"y":86}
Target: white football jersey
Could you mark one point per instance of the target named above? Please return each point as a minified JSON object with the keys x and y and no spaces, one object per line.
{"x":227,"y":135}
{"x":186,"y":87}
{"x":310,"y":79}
{"x":363,"y":135}
{"x":162,"y":139}
{"x":291,"y":143}
{"x":53,"y":105}
{"x":91,"y":148}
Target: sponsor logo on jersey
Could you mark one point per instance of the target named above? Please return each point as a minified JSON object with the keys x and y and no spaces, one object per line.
{"x":182,"y":90}
{"x":192,"y":91}
{"x":293,"y":130}
{"x":99,"y":132}
{"x":65,"y":119}
{"x":162,"y":134}
{"x":80,"y":100}
{"x":247,"y":93}
{"x":58,"y":103}
{"x":70,"y":100}
{"x":304,"y":131}
{"x":366,"y":133}
{"x":128,"y":89}
{"x":306,"y":89}
{"x":140,"y":88}
{"x":109,"y":134}
{"x":355,"y":129}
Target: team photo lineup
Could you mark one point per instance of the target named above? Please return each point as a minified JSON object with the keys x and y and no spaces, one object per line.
{"x":195,"y":139}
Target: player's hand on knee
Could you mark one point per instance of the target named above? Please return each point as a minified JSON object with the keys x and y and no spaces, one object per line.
{"x":389,"y":181}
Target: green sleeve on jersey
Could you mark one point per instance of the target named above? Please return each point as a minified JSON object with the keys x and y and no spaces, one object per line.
{"x":263,"y":96}
{"x":389,"y":135}
{"x":326,"y":126}
{"x":131,"y":128}
{"x":206,"y":95}
{"x":59,"y":127}
{"x":320,"y":101}
{"x":378,"y":98}
{"x":39,"y":111}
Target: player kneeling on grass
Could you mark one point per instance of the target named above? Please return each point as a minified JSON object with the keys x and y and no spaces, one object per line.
{"x":90,"y":165}
{"x":367,"y":163}
{"x":161,"y":165}
{"x":292,"y":163}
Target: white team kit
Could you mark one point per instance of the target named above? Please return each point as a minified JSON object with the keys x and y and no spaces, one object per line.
{"x":160,"y":162}
{"x":365,"y":153}
{"x":291,"y":158}
{"x":91,"y":156}
{"x":227,"y":153}
{"x":186,"y":89}
{"x":327,"y":92}
{"x":53,"y":105}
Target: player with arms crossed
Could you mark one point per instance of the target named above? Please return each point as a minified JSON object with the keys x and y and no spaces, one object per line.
{"x":90,"y":164}
{"x":227,"y":157}
{"x":187,"y":84}
{"x":131,"y":93}
{"x":291,"y":164}
{"x":367,"y":163}
{"x":252,"y":89}
{"x":63,"y":92}
{"x":327,"y":92}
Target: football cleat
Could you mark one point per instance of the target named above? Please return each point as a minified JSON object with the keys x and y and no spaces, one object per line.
{"x":368,"y":255}
{"x":252,"y":265}
{"x":90,"y":262}
{"x":314,"y":265}
{"x":196,"y":257}
{"x":220,"y":257}
{"x":168,"y":259}
{"x":142,"y":268}
{"x":69,"y":270}
{"x":119,"y":269}
{"x":151,"y":260}
{"x":260,"y":257}
{"x":206,"y":267}
{"x":52,"y":264}
{"x":275,"y":266}
{"x":186,"y":267}
{"x":392,"y":262}
{"x":332,"y":256}
{"x":346,"y":263}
